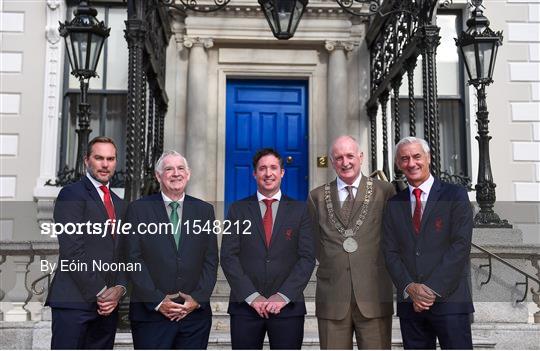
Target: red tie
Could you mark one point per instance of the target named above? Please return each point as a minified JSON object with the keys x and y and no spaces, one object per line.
{"x":108,"y":202}
{"x":267,"y":221}
{"x":417,"y":217}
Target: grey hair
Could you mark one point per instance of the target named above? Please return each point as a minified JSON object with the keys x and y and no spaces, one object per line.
{"x":331,"y":156}
{"x":159,"y":163}
{"x":411,"y":140}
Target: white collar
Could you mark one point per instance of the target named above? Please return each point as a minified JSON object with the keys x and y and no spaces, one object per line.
{"x":342,"y":185}
{"x":425,"y":186}
{"x":168,"y":200}
{"x":95,"y":182}
{"x":277,"y":196}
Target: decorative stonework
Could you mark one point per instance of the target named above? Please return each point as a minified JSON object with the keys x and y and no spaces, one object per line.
{"x":348,"y":46}
{"x":206,"y":43}
{"x":52,"y":93}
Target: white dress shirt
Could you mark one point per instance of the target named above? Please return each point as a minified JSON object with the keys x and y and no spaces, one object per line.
{"x":102,"y":196}
{"x":342,"y":188}
{"x":262,"y":206}
{"x":426,"y":188}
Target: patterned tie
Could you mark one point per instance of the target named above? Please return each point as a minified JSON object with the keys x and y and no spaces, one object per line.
{"x":267,"y":221}
{"x":417,"y":217}
{"x":107,"y":200}
{"x":347,"y":205}
{"x":174,"y":220}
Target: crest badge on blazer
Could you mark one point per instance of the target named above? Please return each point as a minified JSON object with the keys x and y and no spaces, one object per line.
{"x":438,"y":224}
{"x":288,"y":234}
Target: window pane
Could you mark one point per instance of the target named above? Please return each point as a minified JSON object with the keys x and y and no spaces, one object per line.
{"x":453,"y":147}
{"x":117,"y":60}
{"x":115,"y":124}
{"x":447,"y":56}
{"x":453,"y":137}
{"x":71,"y":140}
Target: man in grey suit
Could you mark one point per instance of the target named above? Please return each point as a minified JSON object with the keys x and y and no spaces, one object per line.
{"x":354,"y":291}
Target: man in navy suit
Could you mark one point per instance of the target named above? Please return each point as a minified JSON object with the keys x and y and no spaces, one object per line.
{"x":84,"y":301}
{"x":427,"y":243}
{"x":268,"y":258}
{"x":170,"y":301}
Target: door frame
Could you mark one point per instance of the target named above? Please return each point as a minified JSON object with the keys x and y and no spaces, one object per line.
{"x":316,"y":109}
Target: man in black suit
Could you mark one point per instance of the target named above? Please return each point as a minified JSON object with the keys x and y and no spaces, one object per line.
{"x":427,"y":243}
{"x":268,"y":259}
{"x":84,"y":300}
{"x":170,"y":301}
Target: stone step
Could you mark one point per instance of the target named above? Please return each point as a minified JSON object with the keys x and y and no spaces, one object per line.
{"x":221,"y":340}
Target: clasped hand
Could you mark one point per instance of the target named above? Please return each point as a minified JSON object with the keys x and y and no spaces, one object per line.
{"x":264,"y":306}
{"x":176,"y":311}
{"x":421,"y":295}
{"x":108,"y":300}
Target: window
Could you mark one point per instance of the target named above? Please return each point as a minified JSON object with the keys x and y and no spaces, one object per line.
{"x":453,"y":123}
{"x":107,"y":93}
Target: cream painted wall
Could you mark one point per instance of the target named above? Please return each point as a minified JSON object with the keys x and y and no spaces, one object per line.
{"x":23,"y":50}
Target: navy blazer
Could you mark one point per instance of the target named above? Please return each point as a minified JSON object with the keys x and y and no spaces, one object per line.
{"x":191,"y":269}
{"x":80,"y":203}
{"x":284,"y":267}
{"x":439,"y":255}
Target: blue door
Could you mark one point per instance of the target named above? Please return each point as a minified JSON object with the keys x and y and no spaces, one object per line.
{"x":260,"y":114}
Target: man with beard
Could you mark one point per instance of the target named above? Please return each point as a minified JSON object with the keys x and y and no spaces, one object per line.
{"x":354,"y":291}
{"x":84,"y":302}
{"x":268,"y":259}
{"x":170,"y":301}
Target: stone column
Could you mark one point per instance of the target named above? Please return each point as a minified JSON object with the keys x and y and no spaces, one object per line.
{"x":19,"y":295}
{"x":177,"y":53}
{"x":197,"y":113}
{"x":337,"y":89}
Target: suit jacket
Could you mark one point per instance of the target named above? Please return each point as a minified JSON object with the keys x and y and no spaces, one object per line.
{"x":191,"y":269}
{"x":363,"y":269}
{"x":439,"y":255}
{"x":284,"y":267}
{"x":80,"y":203}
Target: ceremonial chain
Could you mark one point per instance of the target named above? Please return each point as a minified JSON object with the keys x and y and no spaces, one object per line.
{"x":349,"y":244}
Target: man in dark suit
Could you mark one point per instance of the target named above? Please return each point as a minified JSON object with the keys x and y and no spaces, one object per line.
{"x":84,"y":300}
{"x":170,"y":301}
{"x":268,"y":259}
{"x":427,"y":243}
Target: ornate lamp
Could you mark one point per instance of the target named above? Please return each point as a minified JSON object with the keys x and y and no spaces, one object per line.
{"x":84,"y":37}
{"x":478,"y":46}
{"x":283,"y":16}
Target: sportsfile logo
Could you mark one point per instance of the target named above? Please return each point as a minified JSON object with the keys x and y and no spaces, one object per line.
{"x":118,"y":227}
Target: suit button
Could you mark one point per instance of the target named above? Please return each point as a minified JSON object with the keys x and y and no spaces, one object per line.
{"x":267,"y":261}
{"x":417,"y":252}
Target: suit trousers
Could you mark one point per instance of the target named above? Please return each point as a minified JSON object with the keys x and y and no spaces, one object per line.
{"x":371,"y":333}
{"x":422,"y":331}
{"x":248,"y":332}
{"x":82,"y":330}
{"x":167,"y":335}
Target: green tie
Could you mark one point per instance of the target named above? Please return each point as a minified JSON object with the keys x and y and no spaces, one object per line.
{"x":174,"y":220}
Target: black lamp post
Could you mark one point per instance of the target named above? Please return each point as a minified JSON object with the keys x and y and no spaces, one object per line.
{"x":283,"y":16}
{"x":84,"y":37}
{"x":478,"y":46}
